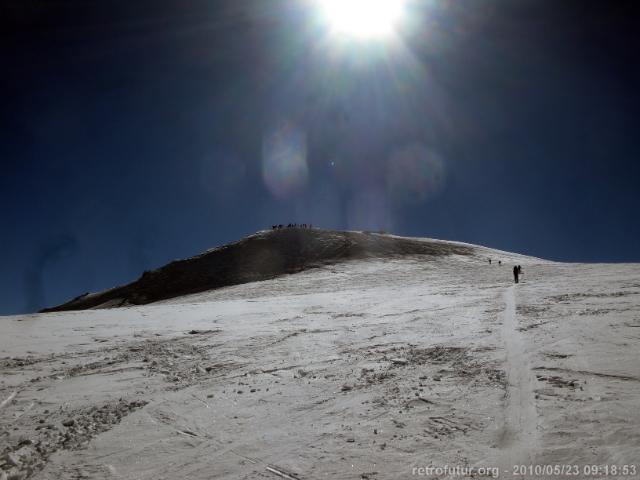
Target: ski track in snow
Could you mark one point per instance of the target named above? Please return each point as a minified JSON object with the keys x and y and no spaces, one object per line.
{"x":519,"y":435}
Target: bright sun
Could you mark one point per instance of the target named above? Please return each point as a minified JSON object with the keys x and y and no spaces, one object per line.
{"x":363,"y":18}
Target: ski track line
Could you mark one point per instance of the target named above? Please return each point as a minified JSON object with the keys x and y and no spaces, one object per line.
{"x":519,"y":436}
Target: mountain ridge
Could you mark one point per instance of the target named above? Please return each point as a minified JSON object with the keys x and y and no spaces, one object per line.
{"x":260,"y":256}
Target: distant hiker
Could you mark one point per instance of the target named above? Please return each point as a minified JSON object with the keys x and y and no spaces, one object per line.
{"x":499,"y":262}
{"x":516,"y":272}
{"x":489,"y":261}
{"x":519,"y":270}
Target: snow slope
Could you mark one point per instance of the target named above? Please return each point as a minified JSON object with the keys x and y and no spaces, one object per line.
{"x":368,"y":368}
{"x":266,"y":254}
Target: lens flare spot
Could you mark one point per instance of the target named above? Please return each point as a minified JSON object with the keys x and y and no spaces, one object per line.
{"x":415,"y":174}
{"x":284,"y":160}
{"x":369,"y":209}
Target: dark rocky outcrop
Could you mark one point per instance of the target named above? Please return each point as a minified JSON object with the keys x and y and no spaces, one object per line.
{"x":260,"y":256}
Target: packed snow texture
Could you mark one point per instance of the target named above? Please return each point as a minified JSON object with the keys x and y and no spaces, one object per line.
{"x":362,"y":369}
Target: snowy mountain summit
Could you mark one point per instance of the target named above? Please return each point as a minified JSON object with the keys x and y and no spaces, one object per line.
{"x":261,"y":256}
{"x":309,"y":354}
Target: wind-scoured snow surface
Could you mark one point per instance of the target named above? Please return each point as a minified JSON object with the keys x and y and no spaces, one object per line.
{"x":358,"y":369}
{"x":265,"y":255}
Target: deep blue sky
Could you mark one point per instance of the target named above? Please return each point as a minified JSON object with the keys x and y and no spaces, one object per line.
{"x":136,"y":132}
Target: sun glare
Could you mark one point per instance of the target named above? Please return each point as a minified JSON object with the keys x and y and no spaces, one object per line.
{"x":363,"y":18}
